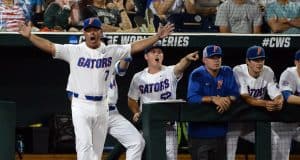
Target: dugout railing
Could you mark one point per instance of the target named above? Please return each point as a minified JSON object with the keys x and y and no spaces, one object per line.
{"x":155,"y":115}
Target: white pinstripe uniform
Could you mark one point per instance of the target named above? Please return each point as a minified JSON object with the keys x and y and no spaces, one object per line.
{"x":162,"y":85}
{"x":255,"y":87}
{"x":289,"y":81}
{"x":120,"y":128}
{"x":90,"y":74}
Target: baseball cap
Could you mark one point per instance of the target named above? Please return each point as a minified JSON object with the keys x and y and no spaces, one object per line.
{"x":297,"y":55}
{"x":212,"y":50}
{"x":91,"y":22}
{"x":255,"y":52}
{"x":147,"y":50}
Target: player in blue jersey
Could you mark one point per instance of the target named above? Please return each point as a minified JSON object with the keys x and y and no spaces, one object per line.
{"x":215,"y":84}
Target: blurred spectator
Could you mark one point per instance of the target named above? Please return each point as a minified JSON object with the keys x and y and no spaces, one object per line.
{"x":10,"y":16}
{"x":58,"y":17}
{"x":205,"y":11}
{"x":112,"y":14}
{"x":36,"y":8}
{"x":168,"y":11}
{"x":239,"y":16}
{"x":283,"y":16}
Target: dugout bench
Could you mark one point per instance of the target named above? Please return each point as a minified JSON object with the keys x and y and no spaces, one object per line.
{"x":154,"y":116}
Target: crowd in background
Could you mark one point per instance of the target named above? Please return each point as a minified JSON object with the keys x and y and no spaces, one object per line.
{"x":226,"y":16}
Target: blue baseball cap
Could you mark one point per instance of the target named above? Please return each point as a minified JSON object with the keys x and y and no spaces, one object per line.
{"x":255,"y":52}
{"x":297,"y":55}
{"x":148,"y":49}
{"x":93,"y":22}
{"x":212,"y":50}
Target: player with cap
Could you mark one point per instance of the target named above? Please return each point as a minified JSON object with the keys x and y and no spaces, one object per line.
{"x":289,"y":84}
{"x":214,"y":84}
{"x":91,"y":66}
{"x":158,"y":82}
{"x":256,"y":80}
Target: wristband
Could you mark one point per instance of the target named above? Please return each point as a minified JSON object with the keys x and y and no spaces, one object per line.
{"x":128,"y":59}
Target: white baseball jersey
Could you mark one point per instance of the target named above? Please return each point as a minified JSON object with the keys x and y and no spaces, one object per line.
{"x":119,"y":127}
{"x":112,"y":95}
{"x":89,"y":67}
{"x":153,"y":87}
{"x":256,"y":87}
{"x":90,"y":74}
{"x":290,"y":81}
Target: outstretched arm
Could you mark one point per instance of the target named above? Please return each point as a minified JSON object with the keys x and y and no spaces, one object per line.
{"x":43,"y":44}
{"x":185,"y":62}
{"x":163,"y":31}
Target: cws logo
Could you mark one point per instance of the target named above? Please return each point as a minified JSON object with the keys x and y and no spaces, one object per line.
{"x":276,"y":42}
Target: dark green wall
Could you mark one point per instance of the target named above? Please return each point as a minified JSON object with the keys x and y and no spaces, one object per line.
{"x":37,"y":83}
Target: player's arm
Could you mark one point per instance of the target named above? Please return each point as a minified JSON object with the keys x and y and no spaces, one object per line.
{"x":268,"y":104}
{"x":290,"y":98}
{"x":122,"y":66}
{"x":185,"y":62}
{"x":141,"y":45}
{"x":43,"y":44}
{"x":135,"y":109}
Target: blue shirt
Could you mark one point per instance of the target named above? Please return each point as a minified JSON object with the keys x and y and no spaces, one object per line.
{"x":201,"y":84}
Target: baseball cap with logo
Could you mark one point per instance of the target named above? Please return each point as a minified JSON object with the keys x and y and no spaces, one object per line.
{"x":93,"y":22}
{"x":212,"y":50}
{"x":255,"y":52}
{"x":148,"y":49}
{"x":297,"y":55}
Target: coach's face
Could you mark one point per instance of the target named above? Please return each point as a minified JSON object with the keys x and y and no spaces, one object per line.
{"x":213,"y":62}
{"x":93,"y":37}
{"x":154,"y":57}
{"x":255,"y":65}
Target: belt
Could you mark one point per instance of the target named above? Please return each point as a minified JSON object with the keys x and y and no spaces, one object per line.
{"x":87,"y":97}
{"x":112,"y":108}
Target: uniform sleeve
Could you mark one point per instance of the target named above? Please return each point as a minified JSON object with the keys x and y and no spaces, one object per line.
{"x":119,"y":51}
{"x":194,"y":95}
{"x":62,"y":52}
{"x":119,"y":71}
{"x":222,"y":15}
{"x":240,"y":79}
{"x":287,"y":82}
{"x":233,"y":88}
{"x":273,"y":88}
{"x":134,"y":92}
{"x":171,"y":68}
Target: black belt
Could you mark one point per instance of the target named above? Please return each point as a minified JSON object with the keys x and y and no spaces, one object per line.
{"x":112,"y":108}
{"x":87,"y":97}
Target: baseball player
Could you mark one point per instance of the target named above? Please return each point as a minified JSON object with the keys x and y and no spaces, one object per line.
{"x":91,"y":67}
{"x":255,"y":81}
{"x":289,"y":84}
{"x":158,"y":82}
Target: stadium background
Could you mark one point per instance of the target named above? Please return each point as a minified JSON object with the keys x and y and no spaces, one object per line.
{"x":37,"y":83}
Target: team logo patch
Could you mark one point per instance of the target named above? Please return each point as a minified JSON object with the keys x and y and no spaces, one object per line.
{"x":285,"y":83}
{"x":258,"y":51}
{"x":219,"y":84}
